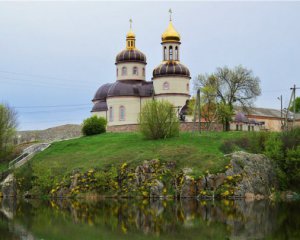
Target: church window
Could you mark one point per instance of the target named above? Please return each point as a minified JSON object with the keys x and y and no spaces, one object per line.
{"x":188,"y":87}
{"x":171,"y":53}
{"x":166,"y":86}
{"x":111,"y":114}
{"x":144,"y":72}
{"x":117,"y":71}
{"x":176,"y":53}
{"x":165,"y":53}
{"x":122,"y":113}
{"x":124,"y":71}
{"x":135,"y":71}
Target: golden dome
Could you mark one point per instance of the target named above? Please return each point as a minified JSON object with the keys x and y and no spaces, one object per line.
{"x":130,"y":34}
{"x":170,"y":35}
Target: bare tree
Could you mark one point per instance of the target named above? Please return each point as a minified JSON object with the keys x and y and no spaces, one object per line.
{"x":8,"y":125}
{"x":237,"y":86}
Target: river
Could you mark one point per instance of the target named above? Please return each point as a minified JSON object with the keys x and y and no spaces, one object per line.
{"x":144,"y":220}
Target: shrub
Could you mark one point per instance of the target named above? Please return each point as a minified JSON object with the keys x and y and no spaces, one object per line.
{"x":94,"y":125}
{"x":158,"y":120}
{"x":274,"y":148}
{"x":228,"y":146}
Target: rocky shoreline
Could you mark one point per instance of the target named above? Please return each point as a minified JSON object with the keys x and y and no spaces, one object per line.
{"x":249,"y":176}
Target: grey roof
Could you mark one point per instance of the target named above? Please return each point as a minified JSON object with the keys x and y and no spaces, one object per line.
{"x":171,"y":69}
{"x":263,"y":112}
{"x":133,"y":55}
{"x":135,"y":88}
{"x":100,"y":106}
{"x":131,"y":88}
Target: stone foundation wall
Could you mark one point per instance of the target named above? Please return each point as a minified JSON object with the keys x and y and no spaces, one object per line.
{"x":189,"y":127}
{"x":123,"y":128}
{"x":184,"y":127}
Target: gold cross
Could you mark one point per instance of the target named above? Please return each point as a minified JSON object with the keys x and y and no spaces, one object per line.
{"x":130,"y":21}
{"x":170,"y":11}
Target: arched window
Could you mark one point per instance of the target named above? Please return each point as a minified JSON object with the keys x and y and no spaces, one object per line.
{"x":124,"y":71}
{"x":111,"y":114}
{"x":122,"y":113}
{"x":171,"y":53}
{"x":165,"y":53}
{"x":144,"y":72}
{"x":176,"y":53}
{"x":166,"y":86}
{"x":117,"y":71}
{"x":188,"y":87}
{"x":135,"y":71}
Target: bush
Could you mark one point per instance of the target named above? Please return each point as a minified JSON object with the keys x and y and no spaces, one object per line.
{"x":158,"y":119}
{"x":274,"y":148}
{"x":94,"y":125}
{"x":8,"y":125}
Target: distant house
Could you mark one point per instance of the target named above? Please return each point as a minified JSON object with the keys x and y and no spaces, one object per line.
{"x":257,"y":119}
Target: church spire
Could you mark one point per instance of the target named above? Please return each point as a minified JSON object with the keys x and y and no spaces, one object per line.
{"x":170,"y":35}
{"x":130,"y":37}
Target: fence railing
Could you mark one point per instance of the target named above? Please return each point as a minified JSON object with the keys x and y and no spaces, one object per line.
{"x":27,"y":154}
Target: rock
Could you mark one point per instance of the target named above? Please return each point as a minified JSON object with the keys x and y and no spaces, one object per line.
{"x":187,"y":171}
{"x":63,"y":192}
{"x":249,"y":196}
{"x":170,"y":165}
{"x":156,"y":190}
{"x":74,"y":182}
{"x":215,"y":180}
{"x":257,"y":171}
{"x":201,"y":184}
{"x":145,"y":171}
{"x":9,"y":187}
{"x":188,"y":188}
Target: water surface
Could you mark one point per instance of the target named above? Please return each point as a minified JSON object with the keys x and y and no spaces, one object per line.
{"x":129,"y":219}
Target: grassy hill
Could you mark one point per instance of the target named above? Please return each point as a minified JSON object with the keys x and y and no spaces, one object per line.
{"x":199,"y":152}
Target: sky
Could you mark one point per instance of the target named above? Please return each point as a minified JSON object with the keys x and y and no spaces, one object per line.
{"x":55,"y":55}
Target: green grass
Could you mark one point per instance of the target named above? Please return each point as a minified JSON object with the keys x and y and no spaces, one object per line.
{"x":3,"y":166}
{"x":199,"y":152}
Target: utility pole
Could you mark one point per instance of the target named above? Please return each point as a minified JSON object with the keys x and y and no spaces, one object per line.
{"x":294,"y":102}
{"x":197,"y":109}
{"x":280,"y":98}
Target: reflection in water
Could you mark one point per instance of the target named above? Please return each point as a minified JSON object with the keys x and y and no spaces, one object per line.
{"x":129,"y":219}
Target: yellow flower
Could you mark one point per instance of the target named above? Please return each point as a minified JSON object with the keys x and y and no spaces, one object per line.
{"x":145,"y":194}
{"x":165,"y":191}
{"x":229,"y":178}
{"x":226,"y":193}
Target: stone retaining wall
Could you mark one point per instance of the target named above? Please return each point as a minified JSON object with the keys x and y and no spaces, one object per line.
{"x":184,"y":127}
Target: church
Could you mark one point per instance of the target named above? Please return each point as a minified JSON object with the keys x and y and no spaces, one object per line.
{"x":120,"y":102}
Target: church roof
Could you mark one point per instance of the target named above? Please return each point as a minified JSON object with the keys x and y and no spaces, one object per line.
{"x":100,"y":106}
{"x":102,"y":91}
{"x":131,"y":55}
{"x":171,"y":68}
{"x":131,"y":88}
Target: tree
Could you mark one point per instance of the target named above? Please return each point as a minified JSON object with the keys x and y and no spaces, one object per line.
{"x":158,"y":119}
{"x":8,"y":125}
{"x":94,"y":125}
{"x":297,"y":105}
{"x":237,"y":86}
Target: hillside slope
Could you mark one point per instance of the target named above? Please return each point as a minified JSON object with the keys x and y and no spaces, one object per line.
{"x":198,"y":152}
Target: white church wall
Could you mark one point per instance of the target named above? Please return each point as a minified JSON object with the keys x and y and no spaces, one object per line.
{"x":100,"y":114}
{"x":176,"y":100}
{"x":175,"y":85}
{"x":132,"y":110}
{"x":141,"y":74}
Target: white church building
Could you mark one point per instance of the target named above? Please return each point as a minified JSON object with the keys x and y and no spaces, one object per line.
{"x":121,"y":102}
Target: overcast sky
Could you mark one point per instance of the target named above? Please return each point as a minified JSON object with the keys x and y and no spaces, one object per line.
{"x":59,"y":53}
